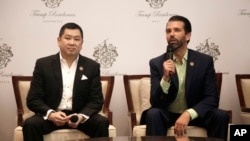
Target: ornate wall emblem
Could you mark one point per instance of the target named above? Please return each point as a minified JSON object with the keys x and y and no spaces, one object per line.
{"x":156,"y":3}
{"x":105,"y":54}
{"x":209,"y":48}
{"x":52,"y":3}
{"x":5,"y":55}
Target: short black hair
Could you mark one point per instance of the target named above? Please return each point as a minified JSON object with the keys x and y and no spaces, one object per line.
{"x":70,"y":26}
{"x":187,"y":24}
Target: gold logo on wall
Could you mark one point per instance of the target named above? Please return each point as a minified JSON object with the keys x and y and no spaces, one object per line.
{"x":156,"y":3}
{"x":5,"y":55}
{"x":105,"y":54}
{"x":209,"y":48}
{"x":52,"y":3}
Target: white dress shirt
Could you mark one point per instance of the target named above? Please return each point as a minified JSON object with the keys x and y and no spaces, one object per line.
{"x":68,"y":76}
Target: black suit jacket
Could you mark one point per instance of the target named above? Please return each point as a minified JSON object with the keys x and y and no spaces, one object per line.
{"x":46,"y":87}
{"x":200,"y":86}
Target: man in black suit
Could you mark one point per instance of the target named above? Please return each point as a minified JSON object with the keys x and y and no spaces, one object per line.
{"x":63,"y":85}
{"x":183,"y":88}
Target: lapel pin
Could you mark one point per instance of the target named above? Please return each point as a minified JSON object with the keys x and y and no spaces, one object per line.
{"x":81,"y":68}
{"x":191,"y":64}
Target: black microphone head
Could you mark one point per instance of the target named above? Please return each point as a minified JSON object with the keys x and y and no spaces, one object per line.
{"x":74,"y":118}
{"x":170,"y":51}
{"x":170,"y":48}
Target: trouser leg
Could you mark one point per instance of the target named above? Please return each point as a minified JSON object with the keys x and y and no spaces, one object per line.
{"x":218,"y":124}
{"x":158,"y":121}
{"x":35,"y":127}
{"x":96,"y":126}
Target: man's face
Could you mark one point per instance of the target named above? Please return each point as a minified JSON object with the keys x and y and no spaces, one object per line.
{"x":70,"y":43}
{"x":176,"y":35}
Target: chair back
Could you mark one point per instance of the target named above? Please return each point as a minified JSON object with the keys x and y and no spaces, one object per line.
{"x":219,"y":82}
{"x":21,"y":85}
{"x":243,"y":89}
{"x":137,"y":90}
{"x":107,"y":91}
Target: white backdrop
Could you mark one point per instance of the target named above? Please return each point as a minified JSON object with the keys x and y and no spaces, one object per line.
{"x":137,"y":31}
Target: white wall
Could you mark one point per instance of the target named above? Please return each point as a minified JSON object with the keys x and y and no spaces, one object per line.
{"x":138,"y":32}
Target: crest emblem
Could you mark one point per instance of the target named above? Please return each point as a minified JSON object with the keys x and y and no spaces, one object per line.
{"x":105,"y":54}
{"x":209,"y":48}
{"x":5,"y":55}
{"x":156,"y":3}
{"x":52,"y":3}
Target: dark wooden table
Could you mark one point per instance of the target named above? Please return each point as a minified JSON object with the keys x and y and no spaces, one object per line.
{"x":150,"y":138}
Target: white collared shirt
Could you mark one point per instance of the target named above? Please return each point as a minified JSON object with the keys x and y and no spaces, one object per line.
{"x":68,"y":76}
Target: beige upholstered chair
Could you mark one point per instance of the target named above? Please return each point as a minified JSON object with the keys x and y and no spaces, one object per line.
{"x":137,"y":89}
{"x":21,"y":86}
{"x":243,"y":88}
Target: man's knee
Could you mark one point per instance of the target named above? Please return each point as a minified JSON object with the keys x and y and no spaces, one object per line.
{"x":101,"y":120}
{"x":221,"y":115}
{"x":31,"y":121}
{"x":153,"y":113}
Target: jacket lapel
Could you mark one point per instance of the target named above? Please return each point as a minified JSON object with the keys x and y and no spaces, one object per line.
{"x":56,"y":67}
{"x":190,"y":70}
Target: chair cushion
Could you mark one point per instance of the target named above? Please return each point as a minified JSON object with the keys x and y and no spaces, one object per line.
{"x":144,"y":93}
{"x":139,"y":130}
{"x":193,"y":131}
{"x":24,"y":88}
{"x":246,"y":91}
{"x":245,"y":117}
{"x":62,"y":134}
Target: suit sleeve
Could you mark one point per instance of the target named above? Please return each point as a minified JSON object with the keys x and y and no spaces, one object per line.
{"x":203,"y":93}
{"x":157,"y":97}
{"x":36,"y":99}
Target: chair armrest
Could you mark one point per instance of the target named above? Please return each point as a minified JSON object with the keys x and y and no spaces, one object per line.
{"x":20,"y":118}
{"x":109,"y":114}
{"x":132,"y":117}
{"x":245,"y":109}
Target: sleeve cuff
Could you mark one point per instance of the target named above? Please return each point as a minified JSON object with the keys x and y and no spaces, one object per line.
{"x":192,"y":113}
{"x":164,"y":85}
{"x":85,"y":117}
{"x":47,"y":115}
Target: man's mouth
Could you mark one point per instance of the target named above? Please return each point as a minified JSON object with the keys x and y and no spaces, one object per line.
{"x":172,"y":41}
{"x":71,"y":48}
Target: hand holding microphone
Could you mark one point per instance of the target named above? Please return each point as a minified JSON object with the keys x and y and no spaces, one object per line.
{"x":74,"y":118}
{"x":168,"y":65}
{"x":170,"y":52}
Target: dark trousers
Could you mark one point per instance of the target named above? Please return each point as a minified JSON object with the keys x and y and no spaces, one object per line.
{"x":35,"y":127}
{"x":215,"y":122}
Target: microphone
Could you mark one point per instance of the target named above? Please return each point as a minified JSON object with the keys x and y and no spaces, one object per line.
{"x":170,"y":52}
{"x":74,"y":118}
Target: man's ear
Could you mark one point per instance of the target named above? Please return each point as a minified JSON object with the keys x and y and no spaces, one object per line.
{"x":188,"y":36}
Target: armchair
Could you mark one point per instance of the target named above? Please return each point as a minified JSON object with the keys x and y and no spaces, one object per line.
{"x":137,"y":90}
{"x":21,"y":86}
{"x":243,"y":89}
